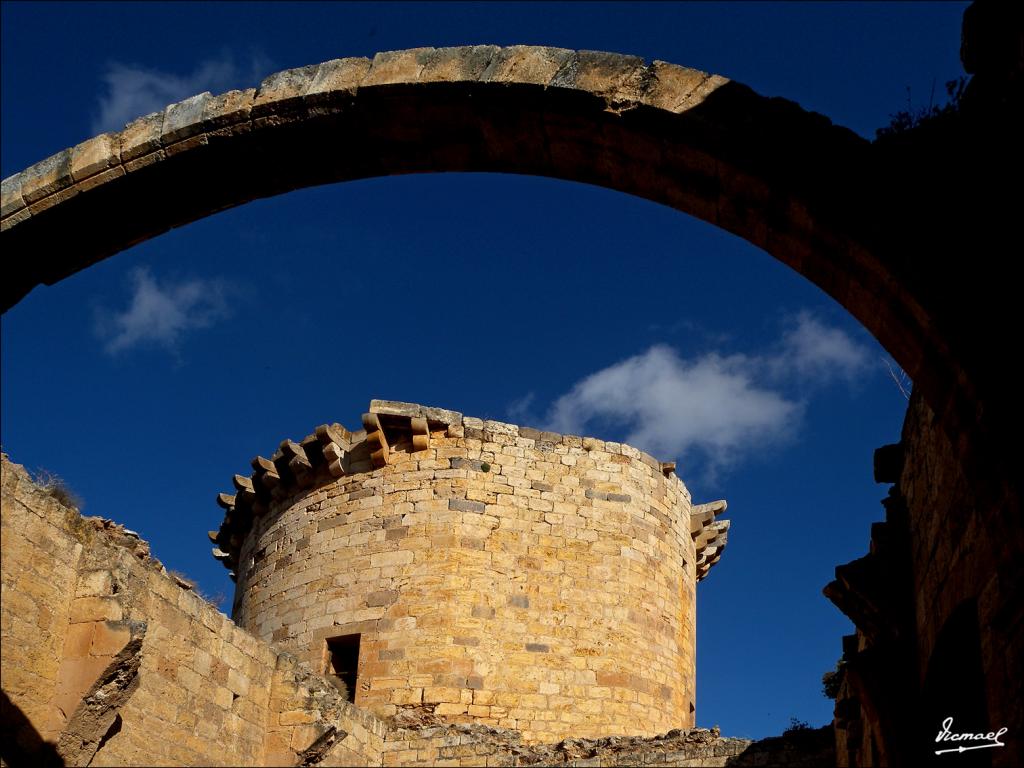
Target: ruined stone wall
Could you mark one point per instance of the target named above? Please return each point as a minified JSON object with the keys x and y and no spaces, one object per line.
{"x":114,"y":662}
{"x":475,"y":745}
{"x":309,"y":723}
{"x":442,"y":744}
{"x":505,"y":576}
{"x":203,"y":685}
{"x":108,"y":659}
{"x":39,"y":559}
{"x":967,"y":554}
{"x":936,"y":604}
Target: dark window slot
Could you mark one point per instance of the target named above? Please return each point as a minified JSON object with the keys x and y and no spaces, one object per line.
{"x":343,"y":664}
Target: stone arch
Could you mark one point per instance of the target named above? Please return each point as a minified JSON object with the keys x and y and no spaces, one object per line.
{"x":784,"y":179}
{"x":911,"y":238}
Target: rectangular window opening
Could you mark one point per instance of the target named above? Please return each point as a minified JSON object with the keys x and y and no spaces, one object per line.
{"x":343,"y":664}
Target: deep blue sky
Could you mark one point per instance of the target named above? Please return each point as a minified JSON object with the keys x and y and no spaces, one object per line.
{"x":500,"y":295}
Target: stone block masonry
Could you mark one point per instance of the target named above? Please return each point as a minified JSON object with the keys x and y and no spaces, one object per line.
{"x":499,"y":575}
{"x":108,"y":660}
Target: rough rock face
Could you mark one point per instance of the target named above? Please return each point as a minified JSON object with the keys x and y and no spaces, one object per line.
{"x":934,"y":618}
{"x":437,"y":742}
{"x":421,"y":740}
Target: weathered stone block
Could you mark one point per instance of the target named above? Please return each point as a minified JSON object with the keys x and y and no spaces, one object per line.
{"x":223,"y":697}
{"x":99,"y":179}
{"x":297,"y":717}
{"x":144,"y":161}
{"x":227,"y":109}
{"x":677,"y":89}
{"x":15,"y":218}
{"x":78,"y":640}
{"x":95,"y":609}
{"x":281,"y":93}
{"x":381,"y":598}
{"x":337,"y":77}
{"x":461,"y":505}
{"x":94,"y":584}
{"x":441,"y":694}
{"x":396,"y":67}
{"x":526,"y":64}
{"x":609,"y":74}
{"x":95,"y":155}
{"x":185,"y":145}
{"x":412,"y":410}
{"x":459,"y":64}
{"x":238,"y":682}
{"x":141,"y":136}
{"x":46,"y":177}
{"x":184,"y":119}
{"x":383,"y":559}
{"x":11,"y":199}
{"x":108,"y":639}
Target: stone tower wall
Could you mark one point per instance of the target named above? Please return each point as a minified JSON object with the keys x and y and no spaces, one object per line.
{"x":510,"y":577}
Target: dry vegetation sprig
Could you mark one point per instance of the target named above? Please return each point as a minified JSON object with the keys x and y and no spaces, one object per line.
{"x":54,"y":485}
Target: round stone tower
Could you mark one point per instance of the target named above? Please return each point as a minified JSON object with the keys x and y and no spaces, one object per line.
{"x":488,"y":572}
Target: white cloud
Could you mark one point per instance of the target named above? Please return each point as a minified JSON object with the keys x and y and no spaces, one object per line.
{"x":672,"y":406}
{"x":132,"y":91}
{"x":818,"y":353}
{"x":720,"y":407}
{"x":160,"y":314}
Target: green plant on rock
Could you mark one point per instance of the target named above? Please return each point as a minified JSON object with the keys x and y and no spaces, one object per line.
{"x":831,"y":681}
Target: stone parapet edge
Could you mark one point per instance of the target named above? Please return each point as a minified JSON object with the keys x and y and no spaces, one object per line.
{"x":239,"y":514}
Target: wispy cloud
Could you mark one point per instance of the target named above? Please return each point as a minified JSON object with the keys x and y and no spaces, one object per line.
{"x":818,"y":353}
{"x":518,"y":411}
{"x":132,"y":90}
{"x":160,"y":313}
{"x":671,"y":406}
{"x":717,"y":406}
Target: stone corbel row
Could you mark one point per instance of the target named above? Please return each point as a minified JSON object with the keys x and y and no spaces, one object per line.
{"x":377,"y":438}
{"x":294,"y":466}
{"x":390,"y":423}
{"x":709,"y":535}
{"x":712,"y":552}
{"x":329,"y":453}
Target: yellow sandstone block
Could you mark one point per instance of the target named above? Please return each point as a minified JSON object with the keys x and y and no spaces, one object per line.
{"x":296,"y":717}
